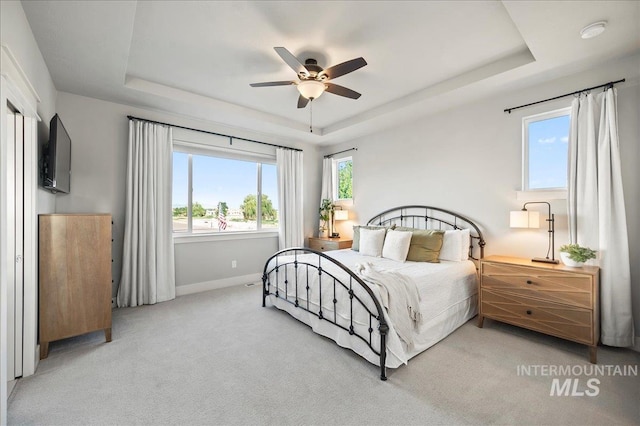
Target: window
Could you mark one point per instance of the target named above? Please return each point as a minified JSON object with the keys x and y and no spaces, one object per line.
{"x":545,"y":150}
{"x":227,"y":194}
{"x":344,"y":178}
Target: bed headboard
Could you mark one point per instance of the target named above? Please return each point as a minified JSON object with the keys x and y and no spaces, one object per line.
{"x":427,"y":217}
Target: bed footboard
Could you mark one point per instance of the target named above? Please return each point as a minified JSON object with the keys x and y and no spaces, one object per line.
{"x":308,"y":280}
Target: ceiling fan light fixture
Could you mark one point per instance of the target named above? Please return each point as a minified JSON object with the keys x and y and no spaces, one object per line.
{"x":311,"y":89}
{"x":593,"y":30}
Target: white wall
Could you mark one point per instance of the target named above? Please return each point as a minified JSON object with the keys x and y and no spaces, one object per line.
{"x":99,"y":133}
{"x":468,"y":160}
{"x":629,"y":133}
{"x":15,"y":33}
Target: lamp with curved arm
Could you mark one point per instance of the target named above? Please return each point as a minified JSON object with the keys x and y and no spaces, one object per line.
{"x":527,"y":219}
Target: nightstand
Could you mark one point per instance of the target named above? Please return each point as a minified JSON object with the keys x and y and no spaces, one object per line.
{"x":326,"y":244}
{"x":553,"y":299}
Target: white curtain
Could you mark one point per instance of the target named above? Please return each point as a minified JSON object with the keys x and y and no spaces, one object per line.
{"x":596,"y":210}
{"x":289,"y":164}
{"x":327,"y":191}
{"x":328,"y":185}
{"x":148,"y":265}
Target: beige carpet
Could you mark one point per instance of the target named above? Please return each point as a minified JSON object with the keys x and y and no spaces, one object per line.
{"x":220,"y":358}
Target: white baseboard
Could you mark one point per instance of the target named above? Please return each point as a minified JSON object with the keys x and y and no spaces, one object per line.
{"x":37,"y":358}
{"x":182,"y":290}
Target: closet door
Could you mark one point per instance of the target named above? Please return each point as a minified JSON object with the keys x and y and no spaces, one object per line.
{"x":15,"y":287}
{"x":19,"y":244}
{"x":18,"y":226}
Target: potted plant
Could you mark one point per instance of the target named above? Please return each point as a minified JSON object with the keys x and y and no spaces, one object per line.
{"x":326,"y":209}
{"x":575,"y":255}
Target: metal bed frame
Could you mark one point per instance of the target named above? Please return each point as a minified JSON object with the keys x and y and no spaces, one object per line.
{"x":414,"y":216}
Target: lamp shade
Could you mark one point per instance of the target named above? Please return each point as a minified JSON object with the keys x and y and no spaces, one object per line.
{"x":311,"y":89}
{"x":524,"y":219}
{"x":341,"y":214}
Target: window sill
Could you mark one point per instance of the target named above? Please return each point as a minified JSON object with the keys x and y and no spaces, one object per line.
{"x":343,"y":202}
{"x":223,"y":236}
{"x":542,"y":195}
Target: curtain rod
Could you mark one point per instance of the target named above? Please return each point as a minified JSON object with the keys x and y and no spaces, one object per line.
{"x":231,"y":138}
{"x":609,"y":84}
{"x":340,"y":152}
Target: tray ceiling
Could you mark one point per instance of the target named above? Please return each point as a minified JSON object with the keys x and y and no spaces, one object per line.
{"x":198,"y":58}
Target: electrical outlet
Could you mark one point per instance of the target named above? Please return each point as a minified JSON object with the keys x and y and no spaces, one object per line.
{"x":234,"y":264}
{"x":113,"y":302}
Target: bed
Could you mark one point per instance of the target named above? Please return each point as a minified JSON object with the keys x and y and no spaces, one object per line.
{"x":328,"y":292}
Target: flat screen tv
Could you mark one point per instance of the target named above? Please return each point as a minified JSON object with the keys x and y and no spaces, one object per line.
{"x":57,"y":158}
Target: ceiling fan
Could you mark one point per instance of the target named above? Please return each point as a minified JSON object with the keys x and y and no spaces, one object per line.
{"x":313,"y":81}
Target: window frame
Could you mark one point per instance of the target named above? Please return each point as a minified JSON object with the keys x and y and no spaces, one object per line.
{"x":336,"y":180}
{"x":547,"y":115}
{"x":194,"y":148}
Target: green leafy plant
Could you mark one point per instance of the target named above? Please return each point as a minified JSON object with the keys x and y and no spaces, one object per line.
{"x":345,"y":179}
{"x":326,"y":208}
{"x":249,"y":208}
{"x":578,"y":253}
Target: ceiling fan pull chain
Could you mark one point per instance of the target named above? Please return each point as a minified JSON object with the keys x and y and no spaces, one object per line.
{"x":311,"y":115}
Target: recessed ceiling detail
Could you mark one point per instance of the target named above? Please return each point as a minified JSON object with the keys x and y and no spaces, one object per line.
{"x":198,"y":58}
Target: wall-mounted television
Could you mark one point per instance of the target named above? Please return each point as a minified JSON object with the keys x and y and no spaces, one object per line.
{"x":57,"y":158}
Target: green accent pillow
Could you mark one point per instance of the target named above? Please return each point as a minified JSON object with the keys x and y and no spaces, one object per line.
{"x":425,"y":246}
{"x":356,"y":235}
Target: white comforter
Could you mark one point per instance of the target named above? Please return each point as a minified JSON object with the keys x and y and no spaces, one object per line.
{"x":443,"y":287}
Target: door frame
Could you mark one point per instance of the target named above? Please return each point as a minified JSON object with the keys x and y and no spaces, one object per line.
{"x":16,"y":89}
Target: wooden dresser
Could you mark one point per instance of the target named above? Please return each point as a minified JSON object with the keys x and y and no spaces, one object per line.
{"x":554,"y":299}
{"x":326,"y":244}
{"x":74,"y":276}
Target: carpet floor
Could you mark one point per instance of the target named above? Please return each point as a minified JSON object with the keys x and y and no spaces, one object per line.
{"x":218,"y":357}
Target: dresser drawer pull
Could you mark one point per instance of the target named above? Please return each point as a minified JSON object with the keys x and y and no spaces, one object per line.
{"x":529,"y":312}
{"x":529,"y":282}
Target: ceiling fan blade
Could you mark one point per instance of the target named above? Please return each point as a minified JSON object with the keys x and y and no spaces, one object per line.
{"x":341,"y":91}
{"x":272,"y":83}
{"x":292,"y":61}
{"x":343,"y":68}
{"x":302,"y":101}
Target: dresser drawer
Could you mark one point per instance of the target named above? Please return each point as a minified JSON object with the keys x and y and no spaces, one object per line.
{"x":544,"y":284}
{"x":540,"y":315}
{"x":322,"y":245}
{"x":325,"y":244}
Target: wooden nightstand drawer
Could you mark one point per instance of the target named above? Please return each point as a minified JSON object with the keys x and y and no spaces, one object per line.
{"x":549,"y":298}
{"x":539,"y":315}
{"x":321,"y":245}
{"x":554,"y":286}
{"x":326,"y":244}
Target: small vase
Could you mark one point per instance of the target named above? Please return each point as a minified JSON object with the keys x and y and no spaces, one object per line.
{"x":570,"y":262}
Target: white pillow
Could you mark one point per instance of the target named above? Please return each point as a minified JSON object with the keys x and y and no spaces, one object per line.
{"x":371,"y":241}
{"x":396,"y":245}
{"x":451,"y":246}
{"x":465,"y":242}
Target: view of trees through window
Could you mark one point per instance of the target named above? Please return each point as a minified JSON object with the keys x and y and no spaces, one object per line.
{"x":344,"y":168}
{"x":224,"y":194}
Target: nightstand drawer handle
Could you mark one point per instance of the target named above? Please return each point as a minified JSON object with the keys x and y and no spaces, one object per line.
{"x":529,"y":312}
{"x":529,"y":282}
